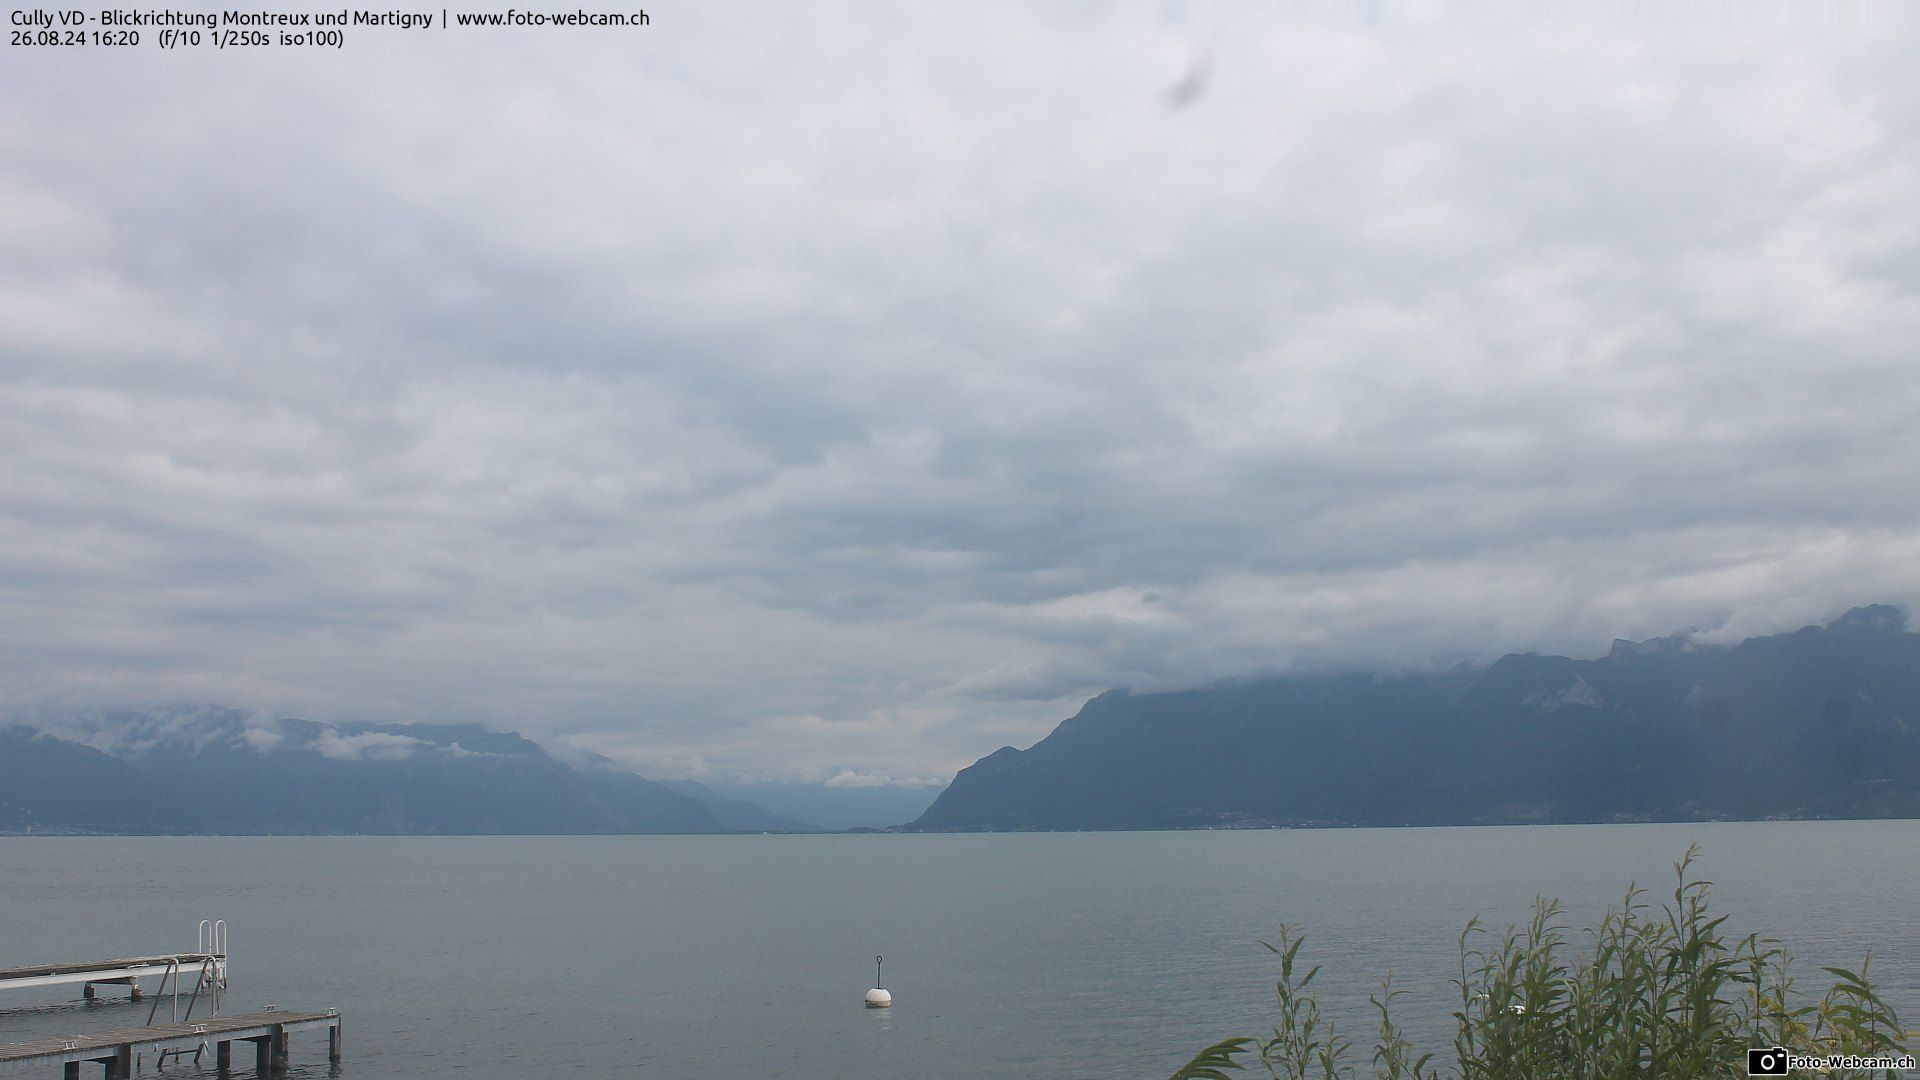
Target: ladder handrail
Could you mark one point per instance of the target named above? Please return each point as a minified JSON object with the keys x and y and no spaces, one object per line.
{"x":209,"y":980}
{"x":172,"y":971}
{"x":211,"y":938}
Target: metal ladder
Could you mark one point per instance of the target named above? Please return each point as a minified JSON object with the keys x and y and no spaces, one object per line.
{"x":211,"y":978}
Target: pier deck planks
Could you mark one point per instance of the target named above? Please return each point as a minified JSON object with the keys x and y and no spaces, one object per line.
{"x":94,"y":1045}
{"x":84,"y":967}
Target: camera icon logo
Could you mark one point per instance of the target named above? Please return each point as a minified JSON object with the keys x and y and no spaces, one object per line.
{"x":1769,"y":1062}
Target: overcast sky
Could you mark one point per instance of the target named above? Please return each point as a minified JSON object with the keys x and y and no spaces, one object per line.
{"x":803,"y":391}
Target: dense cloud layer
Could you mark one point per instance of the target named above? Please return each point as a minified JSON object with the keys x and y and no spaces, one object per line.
{"x":785,"y":392}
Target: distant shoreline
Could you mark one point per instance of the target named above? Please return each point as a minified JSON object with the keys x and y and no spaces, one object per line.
{"x":9,"y":834}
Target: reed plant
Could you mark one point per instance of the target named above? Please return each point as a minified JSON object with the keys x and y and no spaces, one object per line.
{"x":1666,"y":993}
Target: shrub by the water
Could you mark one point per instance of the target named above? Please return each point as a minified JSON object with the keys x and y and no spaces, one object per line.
{"x":1658,"y":994}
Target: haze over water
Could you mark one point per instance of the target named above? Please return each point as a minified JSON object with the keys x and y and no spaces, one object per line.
{"x":1083,"y":954}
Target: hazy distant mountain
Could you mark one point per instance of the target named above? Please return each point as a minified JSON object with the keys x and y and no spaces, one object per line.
{"x":53,"y":784}
{"x":1822,"y":722}
{"x":216,"y":771}
{"x":740,"y":815}
{"x":875,"y":806}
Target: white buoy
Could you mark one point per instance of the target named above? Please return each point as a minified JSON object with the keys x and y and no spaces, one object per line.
{"x":878,"y":998}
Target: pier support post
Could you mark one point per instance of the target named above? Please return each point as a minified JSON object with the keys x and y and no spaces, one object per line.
{"x":261,"y":1061}
{"x":87,"y":991}
{"x":278,"y":1042}
{"x":120,"y":1065}
{"x":72,"y":1071}
{"x":134,"y":986}
{"x":223,"y":1055}
{"x":333,"y":1042}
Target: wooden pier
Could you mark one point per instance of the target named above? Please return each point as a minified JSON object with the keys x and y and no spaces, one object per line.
{"x":124,"y":971}
{"x":122,"y":1049}
{"x":207,"y":963}
{"x":180,"y":1038}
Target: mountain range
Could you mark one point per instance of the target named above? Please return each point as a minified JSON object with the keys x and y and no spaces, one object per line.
{"x":1823,"y":722}
{"x":219,"y":771}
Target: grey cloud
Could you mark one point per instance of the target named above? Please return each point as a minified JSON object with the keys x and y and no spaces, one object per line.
{"x":842,"y":368}
{"x":366,"y":746}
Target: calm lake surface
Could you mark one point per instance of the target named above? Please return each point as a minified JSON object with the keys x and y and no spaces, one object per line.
{"x":1073,"y":954}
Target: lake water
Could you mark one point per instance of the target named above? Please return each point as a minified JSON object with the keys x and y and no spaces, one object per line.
{"x":1069,"y":954}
